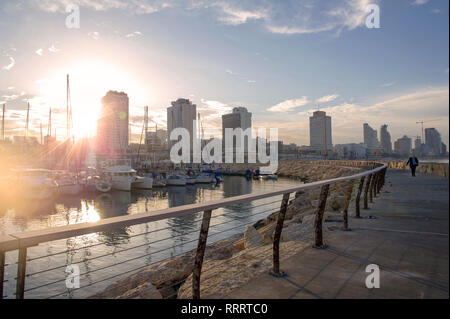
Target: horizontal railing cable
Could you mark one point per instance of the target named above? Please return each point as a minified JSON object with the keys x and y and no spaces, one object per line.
{"x":140,"y":234}
{"x":141,"y":245}
{"x":134,"y":258}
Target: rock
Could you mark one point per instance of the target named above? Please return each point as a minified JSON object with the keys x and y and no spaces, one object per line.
{"x":336,"y":202}
{"x":252,"y":238}
{"x":297,"y":231}
{"x":220,"y":277}
{"x":167,"y":275}
{"x":260,"y":223}
{"x":144,"y":291}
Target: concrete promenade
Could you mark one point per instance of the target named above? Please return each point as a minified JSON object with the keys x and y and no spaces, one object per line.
{"x":407,"y":238}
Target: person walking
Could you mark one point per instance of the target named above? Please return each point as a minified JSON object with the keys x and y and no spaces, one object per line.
{"x":413,"y":162}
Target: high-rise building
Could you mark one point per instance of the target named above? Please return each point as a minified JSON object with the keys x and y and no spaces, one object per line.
{"x":320,"y":131}
{"x":240,"y":117}
{"x":370,"y":137}
{"x":112,"y":126}
{"x":181,"y":114}
{"x":433,"y":142}
{"x":403,"y":146}
{"x":385,"y":140}
{"x":418,"y":146}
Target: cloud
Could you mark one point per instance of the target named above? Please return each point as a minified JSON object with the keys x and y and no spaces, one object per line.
{"x":385,"y":85}
{"x":306,"y":17}
{"x":133,"y":34}
{"x":53,"y":49}
{"x":11,"y":64}
{"x":133,"y":6}
{"x":39,"y":52}
{"x":94,"y":35}
{"x":420,"y":2}
{"x":289,"y":104}
{"x":233,"y":15}
{"x":327,"y":98}
{"x":282,"y":17}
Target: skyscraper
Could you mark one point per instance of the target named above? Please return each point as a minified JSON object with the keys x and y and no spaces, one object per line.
{"x":403,"y":146}
{"x":433,"y":142}
{"x":181,"y":114}
{"x":320,"y":131}
{"x":370,"y":137}
{"x":112,"y":126}
{"x":385,"y":139}
{"x":238,"y":118}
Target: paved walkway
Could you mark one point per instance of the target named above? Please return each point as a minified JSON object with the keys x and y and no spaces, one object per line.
{"x":407,"y":239}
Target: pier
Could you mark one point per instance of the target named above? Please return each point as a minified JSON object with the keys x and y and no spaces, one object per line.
{"x":405,"y":233}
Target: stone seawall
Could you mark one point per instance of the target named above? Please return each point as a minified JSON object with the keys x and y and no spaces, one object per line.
{"x":232,"y":262}
{"x":435,"y":169}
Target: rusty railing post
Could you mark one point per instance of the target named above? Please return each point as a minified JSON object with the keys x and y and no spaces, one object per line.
{"x":372,"y":182}
{"x":2,"y":272}
{"x":196,"y":272}
{"x":21,"y":273}
{"x":277,"y":236}
{"x":378,"y":186}
{"x":347,"y":204}
{"x":318,"y":232}
{"x":358,"y":197}
{"x":366,"y":189}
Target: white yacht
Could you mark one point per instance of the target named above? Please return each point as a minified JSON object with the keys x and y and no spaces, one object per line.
{"x":34,"y":183}
{"x":176,"y":180}
{"x":121,"y":177}
{"x":204,"y":178}
{"x":67,"y":183}
{"x":142,"y":182}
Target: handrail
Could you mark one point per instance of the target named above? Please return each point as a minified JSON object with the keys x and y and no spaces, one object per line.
{"x":32,"y":238}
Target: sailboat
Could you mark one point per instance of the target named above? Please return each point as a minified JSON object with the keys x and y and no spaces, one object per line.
{"x":142,"y":182}
{"x":68,"y":183}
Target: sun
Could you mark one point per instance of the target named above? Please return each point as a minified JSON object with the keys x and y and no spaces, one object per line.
{"x":89,"y":81}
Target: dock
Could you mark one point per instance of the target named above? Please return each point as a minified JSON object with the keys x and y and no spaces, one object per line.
{"x":404,"y":233}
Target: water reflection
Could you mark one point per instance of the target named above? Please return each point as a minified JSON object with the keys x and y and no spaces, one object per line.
{"x":154,"y":241}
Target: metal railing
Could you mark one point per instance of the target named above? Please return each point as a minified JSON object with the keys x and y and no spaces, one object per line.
{"x":369,"y":183}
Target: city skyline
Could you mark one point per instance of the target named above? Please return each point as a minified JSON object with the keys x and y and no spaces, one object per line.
{"x":279,"y":69}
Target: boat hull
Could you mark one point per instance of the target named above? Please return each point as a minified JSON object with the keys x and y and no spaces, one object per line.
{"x":143,"y":183}
{"x":71,"y":189}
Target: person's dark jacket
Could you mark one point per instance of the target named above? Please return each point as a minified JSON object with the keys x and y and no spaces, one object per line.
{"x":410,"y":161}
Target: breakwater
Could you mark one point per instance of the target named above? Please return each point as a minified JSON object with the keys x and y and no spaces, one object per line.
{"x":434,"y":169}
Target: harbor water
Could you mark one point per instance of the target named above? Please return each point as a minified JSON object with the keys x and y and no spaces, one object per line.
{"x":105,"y":257}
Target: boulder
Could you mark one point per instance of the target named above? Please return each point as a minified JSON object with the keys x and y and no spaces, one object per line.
{"x":252,"y":238}
{"x":144,"y":291}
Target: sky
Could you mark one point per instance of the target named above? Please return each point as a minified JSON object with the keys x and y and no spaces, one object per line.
{"x":282,"y":60}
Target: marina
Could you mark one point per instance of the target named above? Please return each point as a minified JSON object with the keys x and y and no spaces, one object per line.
{"x":166,"y":238}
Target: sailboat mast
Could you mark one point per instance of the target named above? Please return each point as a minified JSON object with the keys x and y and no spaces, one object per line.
{"x":69,"y":108}
{"x":3,"y":122}
{"x":49,"y":128}
{"x":28,"y":118}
